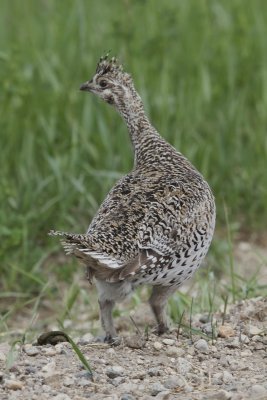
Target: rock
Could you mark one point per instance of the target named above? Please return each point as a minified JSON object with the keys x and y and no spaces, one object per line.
{"x":157,"y":345}
{"x":13,"y":384}
{"x":86,"y":339}
{"x":169,"y":342}
{"x":173,"y":351}
{"x":258,"y":390}
{"x":220,"y":395}
{"x":244,"y":339}
{"x":115,"y":371}
{"x":253,"y":330}
{"x":154,"y":371}
{"x":49,"y":351}
{"x":165,"y":395}
{"x":227,"y":377}
{"x":49,"y":369}
{"x":225,"y":331}
{"x":68,"y":381}
{"x":118,"y":381}
{"x":61,"y":396}
{"x":83,"y":382}
{"x":127,"y":396}
{"x":183,"y":366}
{"x":217,"y":378}
{"x":157,"y":388}
{"x":135,"y":342}
{"x":202,"y":346}
{"x":31,"y":350}
{"x":173,"y":382}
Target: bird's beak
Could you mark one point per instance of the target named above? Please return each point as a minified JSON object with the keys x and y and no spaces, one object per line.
{"x":86,"y":86}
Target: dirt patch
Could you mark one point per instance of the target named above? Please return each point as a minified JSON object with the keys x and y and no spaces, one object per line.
{"x":232,"y":365}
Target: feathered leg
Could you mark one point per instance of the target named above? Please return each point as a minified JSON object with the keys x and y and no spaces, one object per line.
{"x":158,"y":301}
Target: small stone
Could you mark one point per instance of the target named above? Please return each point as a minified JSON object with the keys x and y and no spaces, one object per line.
{"x":83,"y":382}
{"x":49,"y":351}
{"x":202,"y":346}
{"x":258,"y":390}
{"x":157,"y":388}
{"x":118,"y":381}
{"x":244,"y":339}
{"x":49,"y":369}
{"x":227,"y":377}
{"x":60,"y":348}
{"x":253,"y":330}
{"x":31,"y":350}
{"x":157,"y":345}
{"x":68,"y":381}
{"x":184,"y":366}
{"x":135,"y":342}
{"x":127,"y":396}
{"x":220,"y":395}
{"x":86,"y":339}
{"x":154,"y":371}
{"x":61,"y":396}
{"x":190,"y":351}
{"x":165,"y":395}
{"x":173,"y":351}
{"x":173,"y":382}
{"x":115,"y":371}
{"x":225,"y":331}
{"x":111,"y":351}
{"x":13,"y":385}
{"x":169,"y":342}
{"x":217,"y":379}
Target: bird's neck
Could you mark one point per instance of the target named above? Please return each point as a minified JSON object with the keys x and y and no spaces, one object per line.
{"x":139,"y":126}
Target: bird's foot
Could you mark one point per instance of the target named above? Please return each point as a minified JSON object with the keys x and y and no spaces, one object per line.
{"x":112,"y":340}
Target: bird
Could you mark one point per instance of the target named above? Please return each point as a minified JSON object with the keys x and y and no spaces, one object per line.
{"x":156,"y":224}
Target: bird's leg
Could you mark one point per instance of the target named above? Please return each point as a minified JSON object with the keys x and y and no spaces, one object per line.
{"x":106,"y":307}
{"x":158,"y":301}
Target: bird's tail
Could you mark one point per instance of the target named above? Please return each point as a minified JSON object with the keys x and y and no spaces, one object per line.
{"x":72,"y":241}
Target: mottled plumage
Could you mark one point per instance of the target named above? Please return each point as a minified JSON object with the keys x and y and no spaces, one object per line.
{"x":156,"y":224}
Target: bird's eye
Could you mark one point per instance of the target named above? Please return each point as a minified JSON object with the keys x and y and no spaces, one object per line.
{"x":103,"y":83}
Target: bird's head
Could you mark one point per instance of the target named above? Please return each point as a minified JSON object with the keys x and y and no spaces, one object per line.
{"x":110,"y":82}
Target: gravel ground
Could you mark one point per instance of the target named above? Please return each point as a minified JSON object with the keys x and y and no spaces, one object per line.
{"x":233,"y":366}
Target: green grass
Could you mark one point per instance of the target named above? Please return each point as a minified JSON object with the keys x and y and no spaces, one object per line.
{"x":200,"y":67}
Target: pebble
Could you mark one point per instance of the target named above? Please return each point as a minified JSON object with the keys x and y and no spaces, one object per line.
{"x":86,"y":339}
{"x":202,"y":346}
{"x":227,"y":377}
{"x":258,"y":390}
{"x":118,"y":381}
{"x":253,"y":330}
{"x":115,"y":371}
{"x":68,"y":381}
{"x":169,"y":342}
{"x":183,"y":366}
{"x":31,"y":350}
{"x":157,"y":345}
{"x":173,"y":382}
{"x":156,"y":388}
{"x":13,"y":385}
{"x":165,"y":395}
{"x":61,"y":396}
{"x":134,"y":342}
{"x":220,"y":395}
{"x":49,"y":369}
{"x":83,"y":382}
{"x":49,"y":351}
{"x":154,"y":371}
{"x":173,"y":351}
{"x":127,"y":396}
{"x":225,"y":331}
